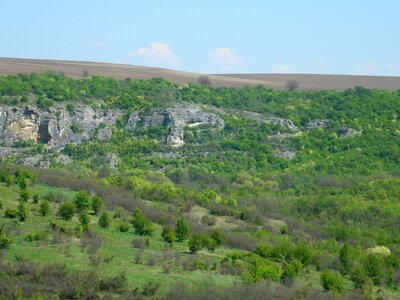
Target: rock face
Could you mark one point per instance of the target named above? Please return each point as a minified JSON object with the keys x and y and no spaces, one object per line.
{"x":317,"y":124}
{"x":54,"y":127}
{"x":176,"y":119}
{"x":345,"y":132}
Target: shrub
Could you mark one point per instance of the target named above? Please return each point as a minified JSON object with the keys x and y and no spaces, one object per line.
{"x":84,"y":218}
{"x":82,"y":200}
{"x":218,"y":236}
{"x":141,"y":223}
{"x":24,"y":196}
{"x":195,"y":243}
{"x":66,"y":210}
{"x":140,"y":243}
{"x":4,"y":241}
{"x":35,"y":198}
{"x":291,"y":269}
{"x":10,"y":213}
{"x":22,"y":213}
{"x":104,"y":220}
{"x":168,"y":235}
{"x":123,"y":227}
{"x":259,"y":269}
{"x":332,"y":281}
{"x":181,"y":229}
{"x":44,"y":208}
{"x":118,"y":284}
{"x":97,"y":204}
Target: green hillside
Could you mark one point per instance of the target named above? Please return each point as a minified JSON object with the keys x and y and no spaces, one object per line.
{"x":295,"y":194}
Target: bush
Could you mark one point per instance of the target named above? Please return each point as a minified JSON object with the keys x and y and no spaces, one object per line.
{"x":44,"y":208}
{"x":82,"y":200}
{"x":291,"y":269}
{"x":218,"y":236}
{"x":168,"y":235}
{"x":66,"y":210}
{"x":181,"y":229}
{"x":141,"y":223}
{"x":195,"y":243}
{"x":84,"y":218}
{"x":123,"y":227}
{"x":22,"y":213}
{"x":118,"y":284}
{"x":97,"y":204}
{"x":10,"y":213}
{"x":24,"y":196}
{"x":141,"y":243}
{"x":104,"y":220}
{"x":332,"y":281}
{"x":35,"y":198}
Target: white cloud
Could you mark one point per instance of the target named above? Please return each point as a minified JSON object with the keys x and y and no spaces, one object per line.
{"x":225,"y":60}
{"x":284,"y":68}
{"x":98,"y":44}
{"x":156,"y":55}
{"x":368,"y":68}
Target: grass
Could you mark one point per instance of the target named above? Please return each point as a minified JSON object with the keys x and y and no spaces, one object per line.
{"x":116,"y":246}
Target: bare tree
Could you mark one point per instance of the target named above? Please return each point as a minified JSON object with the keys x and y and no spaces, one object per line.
{"x":292,"y":85}
{"x":204,"y":80}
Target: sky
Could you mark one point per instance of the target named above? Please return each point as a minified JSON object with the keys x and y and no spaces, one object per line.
{"x":219,"y":36}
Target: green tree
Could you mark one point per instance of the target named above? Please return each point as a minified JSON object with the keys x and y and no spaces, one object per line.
{"x":84,"y":218}
{"x":44,"y":208}
{"x":24,"y":196}
{"x":141,"y":223}
{"x":35,"y":198}
{"x":195,"y":243}
{"x":181,"y":229}
{"x":97,"y":204}
{"x":168,"y":234}
{"x":345,"y":259}
{"x":22,"y":213}
{"x":218,"y":236}
{"x":82,"y":201}
{"x":104,"y":220}
{"x":332,"y":281}
{"x":66,"y":210}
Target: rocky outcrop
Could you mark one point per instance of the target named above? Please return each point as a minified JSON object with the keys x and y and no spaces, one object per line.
{"x":176,"y":118}
{"x":317,"y":124}
{"x":345,"y":132}
{"x":54,"y":127}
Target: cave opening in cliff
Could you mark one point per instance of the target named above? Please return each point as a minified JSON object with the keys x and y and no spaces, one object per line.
{"x":43,"y":133}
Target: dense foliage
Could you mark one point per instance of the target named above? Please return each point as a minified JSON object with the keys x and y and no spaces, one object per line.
{"x":332,"y":210}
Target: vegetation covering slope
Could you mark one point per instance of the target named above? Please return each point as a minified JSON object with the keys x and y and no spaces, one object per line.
{"x":323,"y":223}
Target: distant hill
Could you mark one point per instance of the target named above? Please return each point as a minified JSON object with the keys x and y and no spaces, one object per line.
{"x":75,"y":69}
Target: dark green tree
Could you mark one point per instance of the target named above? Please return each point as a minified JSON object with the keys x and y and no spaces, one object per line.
{"x":82,"y":201}
{"x":168,"y":234}
{"x":84,"y":218}
{"x":66,"y":210}
{"x":44,"y":208}
{"x":23,"y":196}
{"x":22,"y":213}
{"x":181,"y":229}
{"x":332,"y":281}
{"x":97,"y":204}
{"x":35,"y":198}
{"x":196,"y":243}
{"x":104,"y":220}
{"x":345,"y":259}
{"x":141,"y":223}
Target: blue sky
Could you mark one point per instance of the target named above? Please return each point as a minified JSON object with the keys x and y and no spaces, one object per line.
{"x":220,"y":36}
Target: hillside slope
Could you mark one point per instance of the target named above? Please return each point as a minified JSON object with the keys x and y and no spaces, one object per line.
{"x":10,"y":66}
